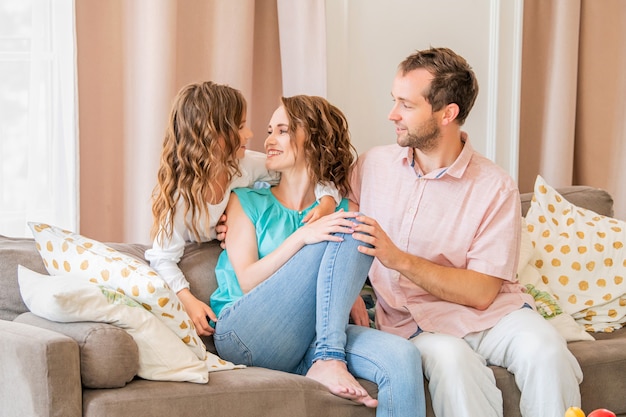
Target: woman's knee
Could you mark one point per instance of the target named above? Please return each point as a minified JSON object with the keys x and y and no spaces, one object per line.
{"x":385,"y":351}
{"x":402,"y":351}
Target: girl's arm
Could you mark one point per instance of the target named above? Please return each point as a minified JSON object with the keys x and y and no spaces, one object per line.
{"x":328,"y":197}
{"x":164,"y":257}
{"x":251,"y":270}
{"x":325,"y":192}
{"x":199,"y":312}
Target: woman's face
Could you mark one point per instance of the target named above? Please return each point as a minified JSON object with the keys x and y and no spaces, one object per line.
{"x":283,"y":152}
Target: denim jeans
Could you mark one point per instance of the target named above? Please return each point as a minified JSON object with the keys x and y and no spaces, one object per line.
{"x":300,"y":315}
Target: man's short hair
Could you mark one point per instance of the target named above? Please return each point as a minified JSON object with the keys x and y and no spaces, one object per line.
{"x":453,"y":80}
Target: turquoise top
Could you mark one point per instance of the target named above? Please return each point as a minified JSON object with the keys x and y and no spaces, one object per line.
{"x":273,"y":223}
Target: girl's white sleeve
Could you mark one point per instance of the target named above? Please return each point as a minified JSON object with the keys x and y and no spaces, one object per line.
{"x":254,"y":165}
{"x":327,"y":188}
{"x":164,"y":260}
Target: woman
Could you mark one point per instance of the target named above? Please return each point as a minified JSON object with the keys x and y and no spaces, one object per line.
{"x":204,"y":156}
{"x":285,"y":290}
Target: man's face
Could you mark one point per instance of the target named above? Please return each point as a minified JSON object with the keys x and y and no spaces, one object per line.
{"x":416,"y":124}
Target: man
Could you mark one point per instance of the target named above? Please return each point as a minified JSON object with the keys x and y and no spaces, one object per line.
{"x":444,"y":223}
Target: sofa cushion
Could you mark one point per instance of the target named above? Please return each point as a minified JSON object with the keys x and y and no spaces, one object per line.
{"x":244,"y":392}
{"x":65,"y":252}
{"x":581,"y":257}
{"x":603,"y":363}
{"x":108,"y":355}
{"x":162,"y":355}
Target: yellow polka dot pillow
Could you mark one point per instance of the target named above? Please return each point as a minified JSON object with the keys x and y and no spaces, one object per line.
{"x":545,"y":300}
{"x":64,"y":252}
{"x":581,"y":257}
{"x":68,"y":298}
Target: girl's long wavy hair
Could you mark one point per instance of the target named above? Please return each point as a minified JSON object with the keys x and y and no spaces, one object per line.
{"x":200,"y":145}
{"x":327,"y":148}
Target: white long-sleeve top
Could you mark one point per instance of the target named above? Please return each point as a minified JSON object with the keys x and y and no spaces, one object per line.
{"x":164,"y":256}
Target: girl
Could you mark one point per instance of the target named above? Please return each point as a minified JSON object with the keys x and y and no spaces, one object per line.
{"x":204,"y":156}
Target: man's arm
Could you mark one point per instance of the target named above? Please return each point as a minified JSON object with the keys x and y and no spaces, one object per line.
{"x":460,"y":286}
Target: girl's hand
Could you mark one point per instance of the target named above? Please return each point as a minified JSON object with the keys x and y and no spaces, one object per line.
{"x":325,"y":228}
{"x":326,"y":206}
{"x":198,"y":311}
{"x":220,"y":231}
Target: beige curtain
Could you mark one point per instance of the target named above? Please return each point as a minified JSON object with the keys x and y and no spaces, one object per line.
{"x":134,"y":55}
{"x":573,"y":100}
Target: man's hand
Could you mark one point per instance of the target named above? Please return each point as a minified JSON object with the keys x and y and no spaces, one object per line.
{"x":326,"y":206}
{"x":369,"y":231}
{"x":198,"y":312}
{"x":220,"y":231}
{"x":460,"y":286}
{"x":358,"y":313}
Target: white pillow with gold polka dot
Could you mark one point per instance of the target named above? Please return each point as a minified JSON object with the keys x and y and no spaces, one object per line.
{"x":68,"y":298}
{"x":162,"y":355}
{"x":545,"y":301}
{"x":581,"y":257}
{"x":64,"y":252}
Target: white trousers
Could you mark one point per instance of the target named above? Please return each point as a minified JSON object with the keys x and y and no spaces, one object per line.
{"x":523,"y":342}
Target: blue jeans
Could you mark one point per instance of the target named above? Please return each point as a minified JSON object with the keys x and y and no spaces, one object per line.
{"x":300,"y":315}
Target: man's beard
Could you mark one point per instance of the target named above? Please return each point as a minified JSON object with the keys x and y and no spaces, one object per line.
{"x":425,"y":138}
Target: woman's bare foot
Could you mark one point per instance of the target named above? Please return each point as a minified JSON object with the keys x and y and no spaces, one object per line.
{"x":335,"y":376}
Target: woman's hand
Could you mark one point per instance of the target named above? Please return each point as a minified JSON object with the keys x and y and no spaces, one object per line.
{"x":324,"y":228}
{"x":198,"y":311}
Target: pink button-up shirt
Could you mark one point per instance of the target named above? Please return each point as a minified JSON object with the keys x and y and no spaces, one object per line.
{"x":465,"y":216}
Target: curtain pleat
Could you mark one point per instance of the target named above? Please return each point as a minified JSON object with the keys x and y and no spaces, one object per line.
{"x":573,"y":106}
{"x":133,"y":57}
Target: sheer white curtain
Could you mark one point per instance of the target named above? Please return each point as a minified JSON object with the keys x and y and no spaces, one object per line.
{"x":134,"y":56}
{"x":302,"y":29}
{"x":38,"y":120}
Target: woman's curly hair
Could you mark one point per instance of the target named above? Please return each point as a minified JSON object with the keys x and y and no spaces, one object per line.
{"x":200,"y":146}
{"x":327,"y":147}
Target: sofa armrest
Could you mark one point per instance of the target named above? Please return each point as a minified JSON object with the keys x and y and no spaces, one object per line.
{"x":109,"y":357}
{"x":39,"y":372}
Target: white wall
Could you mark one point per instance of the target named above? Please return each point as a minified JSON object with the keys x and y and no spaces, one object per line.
{"x":367,"y":39}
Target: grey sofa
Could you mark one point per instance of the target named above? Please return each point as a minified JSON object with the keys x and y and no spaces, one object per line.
{"x":89,"y":369}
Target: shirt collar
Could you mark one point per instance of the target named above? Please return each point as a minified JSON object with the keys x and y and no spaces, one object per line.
{"x":457,"y":168}
{"x":461,"y":163}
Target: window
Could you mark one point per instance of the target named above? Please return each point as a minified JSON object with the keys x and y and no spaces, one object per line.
{"x":38,"y":115}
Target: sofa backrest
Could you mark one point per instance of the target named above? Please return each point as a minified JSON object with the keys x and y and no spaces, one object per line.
{"x":584,"y":196}
{"x":198,"y":263}
{"x":14,"y":252}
